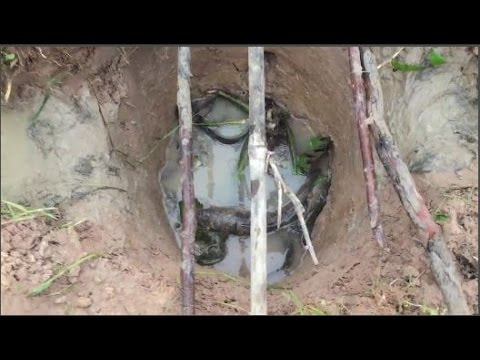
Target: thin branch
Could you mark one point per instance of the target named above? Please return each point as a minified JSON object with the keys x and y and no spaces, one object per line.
{"x":365,"y":147}
{"x":257,"y":153}
{"x":279,"y":206}
{"x":442,"y":263}
{"x":390,"y":59}
{"x":299,"y":209}
{"x":189,"y":221}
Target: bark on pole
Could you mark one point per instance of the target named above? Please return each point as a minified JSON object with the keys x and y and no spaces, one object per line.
{"x":442,"y":262}
{"x":365,"y":147}
{"x":257,"y":152}
{"x":189,"y":220}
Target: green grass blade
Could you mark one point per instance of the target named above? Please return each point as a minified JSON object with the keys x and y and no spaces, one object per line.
{"x":436,"y":58}
{"x":243,"y":159}
{"x":397,"y":65}
{"x":243,"y":106}
{"x":292,"y":146}
{"x":47,"y":283}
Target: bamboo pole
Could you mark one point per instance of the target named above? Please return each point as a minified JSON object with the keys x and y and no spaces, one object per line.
{"x":442,"y":262}
{"x":257,"y":152}
{"x":189,"y":221}
{"x":365,"y":147}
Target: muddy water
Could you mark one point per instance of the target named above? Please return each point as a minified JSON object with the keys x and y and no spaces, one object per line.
{"x":217,"y":184}
{"x":62,"y":154}
{"x":27,"y":173}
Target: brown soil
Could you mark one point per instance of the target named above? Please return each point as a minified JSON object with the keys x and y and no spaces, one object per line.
{"x":139,"y":270}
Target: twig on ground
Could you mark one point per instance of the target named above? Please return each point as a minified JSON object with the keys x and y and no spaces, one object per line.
{"x":299,"y":209}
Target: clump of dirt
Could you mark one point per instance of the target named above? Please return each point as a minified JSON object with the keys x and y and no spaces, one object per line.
{"x":130,"y":95}
{"x":33,"y":252}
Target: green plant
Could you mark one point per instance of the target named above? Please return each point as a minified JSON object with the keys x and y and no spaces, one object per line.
{"x":397,"y":65}
{"x":424,"y":309}
{"x":318,"y":143}
{"x":47,"y":283}
{"x":8,"y":57}
{"x":52,"y":81}
{"x":243,"y":159}
{"x":16,"y":212}
{"x":302,"y":309}
{"x":434,"y":58}
{"x":321,"y":180}
{"x":440,"y":217}
{"x":302,"y":164}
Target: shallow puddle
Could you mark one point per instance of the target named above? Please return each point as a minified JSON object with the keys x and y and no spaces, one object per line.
{"x":217,"y":183}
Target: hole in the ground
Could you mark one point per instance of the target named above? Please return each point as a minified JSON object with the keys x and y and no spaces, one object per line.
{"x":222,"y":186}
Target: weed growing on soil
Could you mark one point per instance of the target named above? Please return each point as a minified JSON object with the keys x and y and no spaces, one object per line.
{"x":434,"y":58}
{"x":440,"y":217}
{"x":302,"y":309}
{"x":46,"y":284}
{"x":424,"y":309}
{"x":16,"y":212}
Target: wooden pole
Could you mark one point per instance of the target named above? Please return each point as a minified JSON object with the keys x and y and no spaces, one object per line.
{"x":257,"y":152}
{"x":365,"y":147}
{"x":442,"y":262}
{"x":189,"y":220}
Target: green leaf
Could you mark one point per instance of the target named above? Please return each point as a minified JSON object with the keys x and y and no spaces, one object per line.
{"x":8,"y":56}
{"x":318,"y":143}
{"x":430,"y":311}
{"x":243,"y":159}
{"x":397,"y":65}
{"x":321,"y":180}
{"x":302,"y":164}
{"x":440,"y":216}
{"x":436,"y":59}
{"x":41,"y":288}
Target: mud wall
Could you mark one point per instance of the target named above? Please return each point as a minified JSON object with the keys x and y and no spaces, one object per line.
{"x":312,"y":83}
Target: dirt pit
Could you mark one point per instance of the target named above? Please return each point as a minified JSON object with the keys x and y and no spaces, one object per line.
{"x":84,"y":130}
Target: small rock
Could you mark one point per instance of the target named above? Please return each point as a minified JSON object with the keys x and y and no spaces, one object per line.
{"x":43,"y":246}
{"x":6,"y":268}
{"x":82,"y":293}
{"x":17,"y":263}
{"x":72,"y":279}
{"x":17,"y":241}
{"x":31,"y":258}
{"x":84,"y":226}
{"x":411,"y":275}
{"x":409,"y":271}
{"x":35,"y":268}
{"x":84,"y":302}
{"x":15,"y":254}
{"x":33,"y":226}
{"x":6,"y":237}
{"x":417,"y":251}
{"x":6,"y":246}
{"x":93,"y":264}
{"x":5,"y":281}
{"x":97,"y":279}
{"x":109,"y":292}
{"x":60,"y":300}
{"x":75,"y":271}
{"x":21,"y":274}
